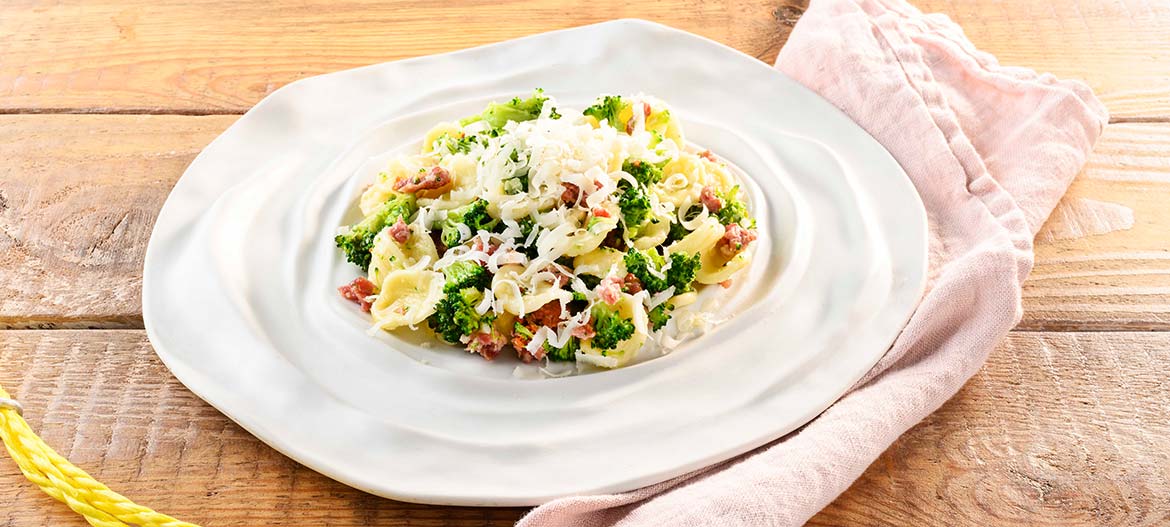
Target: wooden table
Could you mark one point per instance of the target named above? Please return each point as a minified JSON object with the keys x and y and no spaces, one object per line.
{"x":103,"y":104}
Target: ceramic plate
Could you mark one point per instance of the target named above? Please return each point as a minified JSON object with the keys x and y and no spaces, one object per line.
{"x":240,"y":301}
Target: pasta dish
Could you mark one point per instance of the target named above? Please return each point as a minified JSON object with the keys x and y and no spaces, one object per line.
{"x":567,"y":236}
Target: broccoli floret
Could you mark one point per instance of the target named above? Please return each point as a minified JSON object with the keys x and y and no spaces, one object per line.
{"x":660,"y":315}
{"x":646,"y":173}
{"x":526,"y":226}
{"x":516,"y":184}
{"x":565,"y":353}
{"x":680,"y":275}
{"x":734,"y":210}
{"x":682,"y":272}
{"x":519,"y":110}
{"x":607,"y":109}
{"x":520,"y":329}
{"x":357,"y":241}
{"x":455,"y":315}
{"x":639,"y":264}
{"x":452,"y":145}
{"x":635,"y":205}
{"x":464,"y":274}
{"x":474,"y":215}
{"x":611,"y":328}
{"x":677,"y":232}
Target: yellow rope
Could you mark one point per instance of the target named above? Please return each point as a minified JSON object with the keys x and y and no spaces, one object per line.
{"x":55,"y":475}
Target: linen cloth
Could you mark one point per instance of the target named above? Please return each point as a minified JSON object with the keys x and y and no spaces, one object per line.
{"x":990,"y":149}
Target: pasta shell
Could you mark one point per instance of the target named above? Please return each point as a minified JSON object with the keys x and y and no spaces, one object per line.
{"x":407,"y":298}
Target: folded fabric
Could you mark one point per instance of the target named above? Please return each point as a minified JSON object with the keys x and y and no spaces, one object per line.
{"x":991,"y":149}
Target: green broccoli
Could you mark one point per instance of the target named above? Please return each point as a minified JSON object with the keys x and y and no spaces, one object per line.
{"x":733,"y":210}
{"x":646,"y":173}
{"x":358,"y":239}
{"x":677,"y":232}
{"x":474,"y":215}
{"x":680,"y":275}
{"x":517,"y":183}
{"x":608,"y":109}
{"x":565,"y":353}
{"x":660,"y":315}
{"x":682,"y":272}
{"x":519,"y":110}
{"x":634,"y":204}
{"x":611,"y":328}
{"x":578,"y":297}
{"x":639,"y":263}
{"x":455,"y":315}
{"x":526,"y":226}
{"x":520,"y":329}
{"x":453,"y":145}
{"x":464,"y":274}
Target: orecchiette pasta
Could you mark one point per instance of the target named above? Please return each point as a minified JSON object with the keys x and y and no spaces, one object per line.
{"x":566,"y":235}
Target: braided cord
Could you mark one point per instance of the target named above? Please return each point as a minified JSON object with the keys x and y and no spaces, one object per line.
{"x":68,"y":484}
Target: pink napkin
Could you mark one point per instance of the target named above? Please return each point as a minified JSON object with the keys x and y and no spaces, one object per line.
{"x":991,"y":149}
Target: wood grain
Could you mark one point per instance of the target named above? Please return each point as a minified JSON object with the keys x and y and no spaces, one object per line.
{"x":78,"y":198}
{"x":222,"y":56}
{"x":79,"y":195}
{"x":1060,"y":429}
{"x":102,"y":399}
{"x":1055,"y":429}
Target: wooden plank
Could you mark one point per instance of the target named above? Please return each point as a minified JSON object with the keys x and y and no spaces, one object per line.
{"x":1057,"y":429}
{"x":103,"y":399}
{"x":1103,"y":258}
{"x":1068,"y":428}
{"x":79,"y":195}
{"x":223,"y":56}
{"x":78,"y":198}
{"x":140,"y":56}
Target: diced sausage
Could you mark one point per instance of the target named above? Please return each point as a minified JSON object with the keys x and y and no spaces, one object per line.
{"x":610,"y":290}
{"x":429,"y":185}
{"x":571,"y":193}
{"x":400,"y":231}
{"x":477,"y":245}
{"x":710,"y":200}
{"x":487,"y":343}
{"x":735,"y":239}
{"x":584,"y":332}
{"x":357,"y":292}
{"x":614,"y":240}
{"x":599,"y":212}
{"x":706,"y":154}
{"x":561,"y":276}
{"x":631,"y":284}
{"x":547,"y":315}
{"x":725,"y":284}
{"x":520,"y":343}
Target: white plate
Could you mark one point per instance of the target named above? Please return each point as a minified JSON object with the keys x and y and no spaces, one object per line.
{"x":239,"y":290}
